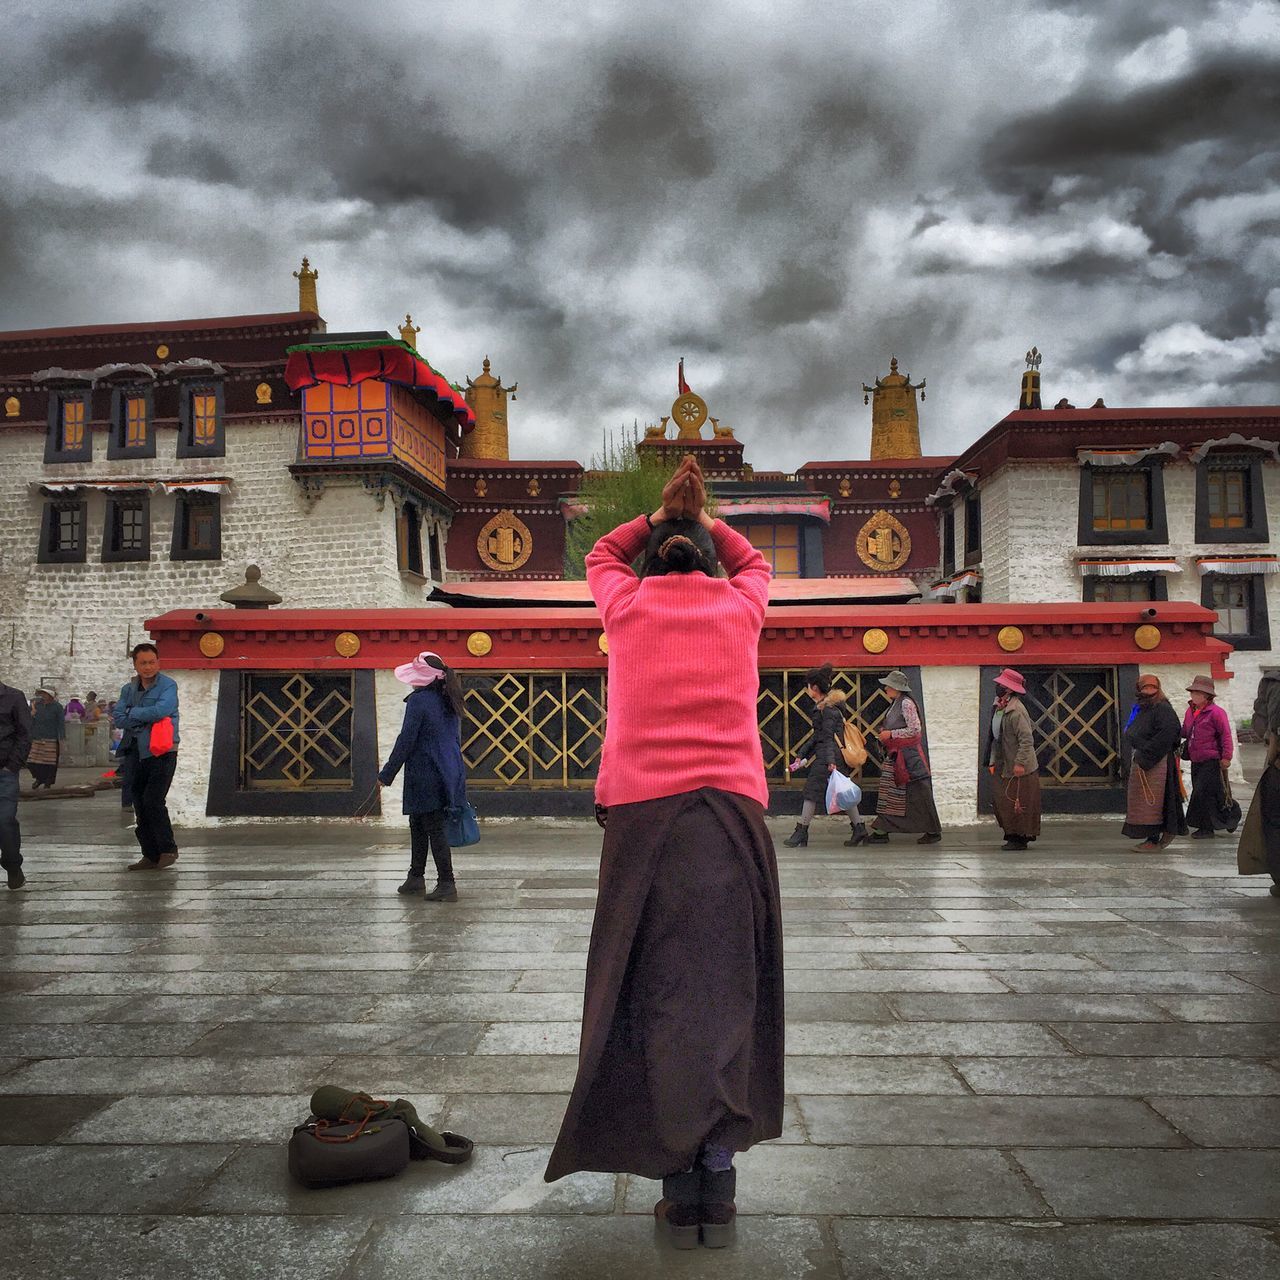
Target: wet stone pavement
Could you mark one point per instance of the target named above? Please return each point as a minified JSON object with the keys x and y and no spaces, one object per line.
{"x":1063,"y":1063}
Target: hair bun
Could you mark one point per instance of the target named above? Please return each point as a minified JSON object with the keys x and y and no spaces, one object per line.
{"x":679,"y":553}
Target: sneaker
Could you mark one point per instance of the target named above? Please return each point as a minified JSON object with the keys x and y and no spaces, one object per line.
{"x":1149,"y":846}
{"x":16,"y":879}
{"x":443,"y":892}
{"x":878,"y":837}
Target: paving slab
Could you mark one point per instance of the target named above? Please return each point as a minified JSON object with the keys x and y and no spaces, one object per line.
{"x":890,"y":1249}
{"x":1158,"y":1184}
{"x":1213,"y":1040}
{"x":1223,"y":1122}
{"x":1127,"y":1077}
{"x":967,"y":1121}
{"x":949,"y":1007}
{"x":34,"y":1121}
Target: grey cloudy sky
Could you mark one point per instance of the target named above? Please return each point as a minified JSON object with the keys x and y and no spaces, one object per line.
{"x":785,"y":193}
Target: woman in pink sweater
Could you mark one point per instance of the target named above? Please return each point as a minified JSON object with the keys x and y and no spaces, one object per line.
{"x":680,"y":1063}
{"x":1206,"y":731}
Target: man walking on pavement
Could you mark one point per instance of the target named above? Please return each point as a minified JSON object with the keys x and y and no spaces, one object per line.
{"x":148,"y":713}
{"x":15,"y":743}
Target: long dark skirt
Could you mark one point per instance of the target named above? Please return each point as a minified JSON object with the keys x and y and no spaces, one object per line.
{"x":1154,"y":801}
{"x":1259,"y":849}
{"x":682,"y":1024}
{"x":1207,"y":808}
{"x":910,"y":809}
{"x":1017,"y":805}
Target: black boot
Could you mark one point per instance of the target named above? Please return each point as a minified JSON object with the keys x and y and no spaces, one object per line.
{"x":719,"y":1190}
{"x":799,"y":838}
{"x":445,"y":890}
{"x":858,"y":836}
{"x":413,"y":883}
{"x":679,"y":1210}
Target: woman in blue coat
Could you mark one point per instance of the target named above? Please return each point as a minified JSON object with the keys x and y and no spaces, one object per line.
{"x":429,"y":750}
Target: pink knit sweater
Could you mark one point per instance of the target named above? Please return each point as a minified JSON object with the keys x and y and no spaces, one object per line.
{"x":683,"y":673}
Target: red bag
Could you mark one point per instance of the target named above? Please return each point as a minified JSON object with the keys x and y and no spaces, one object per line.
{"x":162,"y":737}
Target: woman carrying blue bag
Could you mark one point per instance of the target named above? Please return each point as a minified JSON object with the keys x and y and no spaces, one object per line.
{"x":435,"y":786}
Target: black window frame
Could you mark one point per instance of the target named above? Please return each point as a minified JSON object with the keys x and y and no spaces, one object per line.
{"x":972,"y":529}
{"x":116,"y":446}
{"x":48,"y":524}
{"x":1158,"y":528}
{"x":53,"y":450}
{"x":187,"y":447}
{"x":1255,"y":496}
{"x":948,"y":549}
{"x":112,"y":528}
{"x":1158,"y":582}
{"x":409,"y":522}
{"x":179,"y":548}
{"x":1259,"y":633}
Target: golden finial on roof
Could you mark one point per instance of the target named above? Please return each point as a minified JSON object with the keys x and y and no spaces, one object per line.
{"x":306,"y":277}
{"x":895,"y":419}
{"x":409,"y":331}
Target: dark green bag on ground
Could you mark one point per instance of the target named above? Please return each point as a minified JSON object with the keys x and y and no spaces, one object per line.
{"x":325,"y":1154}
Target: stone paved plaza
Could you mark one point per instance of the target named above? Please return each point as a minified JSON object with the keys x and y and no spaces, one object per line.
{"x":1064,"y":1063}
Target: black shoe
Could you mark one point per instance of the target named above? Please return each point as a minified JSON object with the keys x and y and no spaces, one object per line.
{"x":1014,"y":846}
{"x":1274,"y":891}
{"x":929,"y":840}
{"x":878,"y":837}
{"x":445,"y":891}
{"x":799,"y":838}
{"x":679,"y":1210}
{"x":1204,"y":833}
{"x":16,"y":879}
{"x":719,"y":1191}
{"x":858,"y":837}
{"x":413,"y":884}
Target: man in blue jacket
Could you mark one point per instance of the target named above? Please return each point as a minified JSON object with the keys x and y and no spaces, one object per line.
{"x":15,"y":742}
{"x":148,"y":698}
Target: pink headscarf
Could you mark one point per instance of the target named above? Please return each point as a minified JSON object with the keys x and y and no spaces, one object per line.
{"x":419,"y":673}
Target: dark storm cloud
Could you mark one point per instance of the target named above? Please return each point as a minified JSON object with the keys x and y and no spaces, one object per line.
{"x":588,"y":200}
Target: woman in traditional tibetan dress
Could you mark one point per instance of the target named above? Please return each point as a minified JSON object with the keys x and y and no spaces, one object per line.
{"x":1015,"y":777}
{"x":906,"y":784}
{"x":48,"y":729}
{"x":1153,"y":812}
{"x":1206,"y":729}
{"x":680,"y":1063}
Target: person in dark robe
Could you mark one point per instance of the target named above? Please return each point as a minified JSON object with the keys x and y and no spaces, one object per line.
{"x":428,"y":749}
{"x":1015,"y":789}
{"x":905,"y":802}
{"x":681,"y":1057}
{"x":1153,"y":808}
{"x":48,"y":730}
{"x":1207,"y":735}
{"x":1258,"y":852}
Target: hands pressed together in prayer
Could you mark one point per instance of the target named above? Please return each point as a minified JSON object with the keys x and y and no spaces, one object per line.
{"x":685,"y":495}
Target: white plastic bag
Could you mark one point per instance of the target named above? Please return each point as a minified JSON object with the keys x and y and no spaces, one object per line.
{"x":843,"y":793}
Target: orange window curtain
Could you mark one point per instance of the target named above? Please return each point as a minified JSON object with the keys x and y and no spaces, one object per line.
{"x":204,"y":417}
{"x":72,"y":424}
{"x":135,"y":422}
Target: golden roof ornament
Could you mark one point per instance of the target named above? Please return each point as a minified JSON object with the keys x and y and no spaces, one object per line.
{"x":306,"y":276}
{"x":895,"y":417}
{"x":488,"y":400}
{"x":409,"y":332}
{"x":1029,"y":397}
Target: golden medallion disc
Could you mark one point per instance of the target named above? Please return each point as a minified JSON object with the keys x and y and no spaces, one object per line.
{"x":162,"y":352}
{"x":602,"y":642}
{"x":479,"y":643}
{"x":212,"y":644}
{"x":1010,"y":639}
{"x":689,"y":412}
{"x":875,"y":640}
{"x":883,"y":543}
{"x":1147,"y":636}
{"x":263,"y":392}
{"x":505,"y":543}
{"x":346,"y":644}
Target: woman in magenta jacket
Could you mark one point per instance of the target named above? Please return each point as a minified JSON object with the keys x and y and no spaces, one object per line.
{"x":1206,"y":731}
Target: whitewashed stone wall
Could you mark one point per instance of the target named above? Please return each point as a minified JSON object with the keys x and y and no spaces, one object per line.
{"x":72,"y":624}
{"x":952,"y":712}
{"x":1030,"y":521}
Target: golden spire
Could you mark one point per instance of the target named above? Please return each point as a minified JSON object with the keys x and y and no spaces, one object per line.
{"x":409,"y":331}
{"x":488,"y":400}
{"x":895,"y":418}
{"x":306,"y":278}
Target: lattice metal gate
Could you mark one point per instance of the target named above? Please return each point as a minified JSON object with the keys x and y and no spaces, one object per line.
{"x":296,"y":731}
{"x":1076,"y":714}
{"x":530,"y":729}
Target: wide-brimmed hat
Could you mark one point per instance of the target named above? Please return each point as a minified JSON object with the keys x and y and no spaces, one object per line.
{"x":896,"y":680}
{"x":420,"y":672}
{"x":1012,"y":680}
{"x":1202,"y":684}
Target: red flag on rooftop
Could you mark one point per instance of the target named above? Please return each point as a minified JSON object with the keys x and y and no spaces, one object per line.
{"x":682,"y":387}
